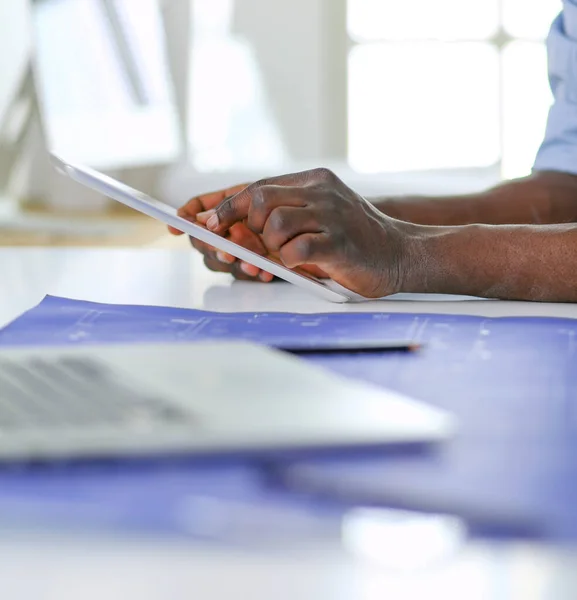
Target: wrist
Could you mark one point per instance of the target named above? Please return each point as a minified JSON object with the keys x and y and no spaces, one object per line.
{"x":426,"y":258}
{"x":410,"y":248}
{"x":388,"y":205}
{"x":453,"y":259}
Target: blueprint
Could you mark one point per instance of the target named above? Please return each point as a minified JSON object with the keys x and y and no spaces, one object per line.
{"x":510,"y":382}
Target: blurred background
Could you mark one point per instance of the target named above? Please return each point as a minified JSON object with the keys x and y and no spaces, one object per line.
{"x":177,"y":97}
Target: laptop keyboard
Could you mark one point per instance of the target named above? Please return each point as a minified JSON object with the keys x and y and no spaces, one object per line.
{"x":76,"y":392}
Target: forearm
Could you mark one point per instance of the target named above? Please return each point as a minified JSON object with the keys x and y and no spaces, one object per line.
{"x":514,"y":262}
{"x":542,"y":198}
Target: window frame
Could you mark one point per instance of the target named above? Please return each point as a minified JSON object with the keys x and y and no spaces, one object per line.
{"x":500,"y":40}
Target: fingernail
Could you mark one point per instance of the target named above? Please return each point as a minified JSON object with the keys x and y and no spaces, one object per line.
{"x":264,"y":276}
{"x":205,"y":215}
{"x":248,"y":269}
{"x":224,"y":258}
{"x":212,"y":223}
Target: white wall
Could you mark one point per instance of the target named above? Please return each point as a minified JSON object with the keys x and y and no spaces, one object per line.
{"x":300,"y":49}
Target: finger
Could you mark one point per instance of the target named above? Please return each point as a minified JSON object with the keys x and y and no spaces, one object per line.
{"x":212,"y":252}
{"x":205,"y":202}
{"x":202,"y":217}
{"x":223,"y":257}
{"x":238,"y":234}
{"x":245,"y":272}
{"x":202,"y":247}
{"x":174,"y":231}
{"x":237,"y":271}
{"x":248,"y":273}
{"x":286,"y":223}
{"x":249,"y":240}
{"x":217,"y":260}
{"x":242,"y":236}
{"x":308,"y":248}
{"x":252,"y":273}
{"x":267,"y":199}
{"x":214,"y":264}
{"x":188,"y":212}
{"x":235,"y":209}
{"x":249,"y":269}
{"x":266,"y":277}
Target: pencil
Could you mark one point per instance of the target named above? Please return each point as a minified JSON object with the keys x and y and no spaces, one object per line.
{"x":342,"y":347}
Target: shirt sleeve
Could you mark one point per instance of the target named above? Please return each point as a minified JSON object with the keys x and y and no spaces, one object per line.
{"x":558,"y":151}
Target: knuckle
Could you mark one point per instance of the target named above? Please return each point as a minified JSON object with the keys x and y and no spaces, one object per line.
{"x":303,"y":249}
{"x":226,"y":209}
{"x":238,"y":273}
{"x":258,"y":199}
{"x":278,"y":220}
{"x":337,"y":237}
{"x":260,"y":204}
{"x":256,"y":187}
{"x":324,"y":174}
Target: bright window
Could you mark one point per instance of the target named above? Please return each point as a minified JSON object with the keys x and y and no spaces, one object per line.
{"x":447,"y":84}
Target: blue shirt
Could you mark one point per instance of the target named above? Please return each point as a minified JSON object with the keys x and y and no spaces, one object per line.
{"x":559,"y":149}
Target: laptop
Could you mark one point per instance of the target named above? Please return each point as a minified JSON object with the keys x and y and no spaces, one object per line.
{"x":192,"y":398}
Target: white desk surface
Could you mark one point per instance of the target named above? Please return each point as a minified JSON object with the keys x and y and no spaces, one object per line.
{"x":149,"y":569}
{"x":178,"y":278}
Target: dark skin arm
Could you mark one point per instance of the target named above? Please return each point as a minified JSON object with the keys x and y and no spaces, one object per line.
{"x":518,"y":262}
{"x":510,"y":262}
{"x":314,"y":218}
{"x":543,"y":198}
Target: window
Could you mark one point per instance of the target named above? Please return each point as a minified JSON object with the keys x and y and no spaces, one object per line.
{"x":447,"y":84}
{"x":228,"y":130}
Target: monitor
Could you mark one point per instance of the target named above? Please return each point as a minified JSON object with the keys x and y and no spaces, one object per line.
{"x":15,"y":44}
{"x":103,"y":82}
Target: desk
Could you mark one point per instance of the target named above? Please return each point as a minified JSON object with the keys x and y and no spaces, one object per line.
{"x":126,"y":568}
{"x":178,"y":278}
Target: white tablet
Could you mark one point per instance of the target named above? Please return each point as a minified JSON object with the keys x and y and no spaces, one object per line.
{"x":324,"y":288}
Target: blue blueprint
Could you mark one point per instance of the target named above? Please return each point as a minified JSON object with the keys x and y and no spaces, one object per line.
{"x":511,"y":382}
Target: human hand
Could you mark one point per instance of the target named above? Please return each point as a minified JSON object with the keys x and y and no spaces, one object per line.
{"x":216,"y":260}
{"x":313,"y":218}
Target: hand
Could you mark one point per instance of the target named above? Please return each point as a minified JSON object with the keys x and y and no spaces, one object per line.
{"x":216,"y":260}
{"x":313,"y":218}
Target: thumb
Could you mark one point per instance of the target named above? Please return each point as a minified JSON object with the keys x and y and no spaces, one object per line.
{"x":229,"y":211}
{"x":236,"y":208}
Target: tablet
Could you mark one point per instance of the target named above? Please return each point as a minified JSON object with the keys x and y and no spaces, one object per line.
{"x":323,"y":288}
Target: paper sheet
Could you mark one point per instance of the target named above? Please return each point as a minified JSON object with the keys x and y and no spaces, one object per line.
{"x":511,"y":383}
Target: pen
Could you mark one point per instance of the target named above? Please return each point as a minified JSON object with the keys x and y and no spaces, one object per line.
{"x":352,"y":346}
